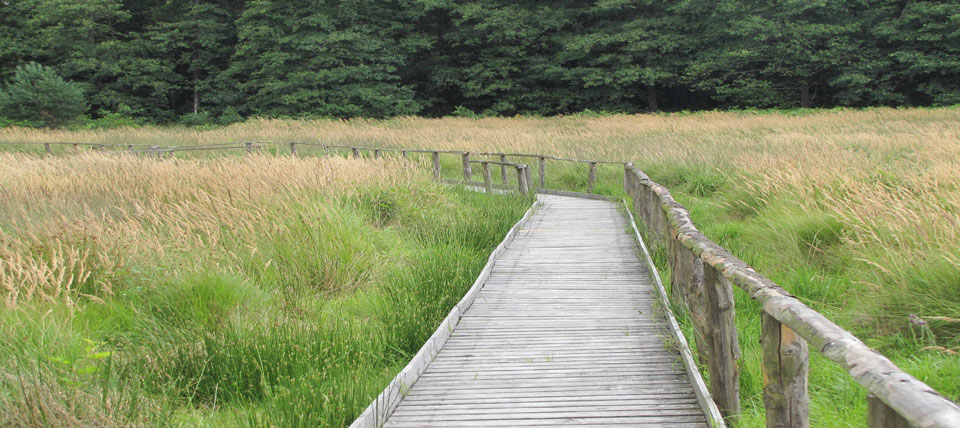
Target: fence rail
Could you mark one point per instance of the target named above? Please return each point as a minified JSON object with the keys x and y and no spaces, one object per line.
{"x":701,"y":281}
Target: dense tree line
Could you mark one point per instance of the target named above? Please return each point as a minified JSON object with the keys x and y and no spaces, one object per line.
{"x":232,"y":58}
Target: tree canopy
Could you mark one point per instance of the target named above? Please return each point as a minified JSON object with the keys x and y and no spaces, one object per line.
{"x":365,"y":58}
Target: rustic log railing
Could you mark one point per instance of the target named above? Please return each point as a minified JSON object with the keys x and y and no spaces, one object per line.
{"x":702,"y":277}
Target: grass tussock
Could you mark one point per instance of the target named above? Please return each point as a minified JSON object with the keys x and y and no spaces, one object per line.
{"x":239,"y":291}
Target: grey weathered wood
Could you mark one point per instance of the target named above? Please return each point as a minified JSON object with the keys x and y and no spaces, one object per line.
{"x":130,"y":147}
{"x":880,"y":415}
{"x":915,"y":401}
{"x":543,"y":172}
{"x":725,"y":351}
{"x":522,"y":180}
{"x":384,"y":405}
{"x":355,"y":151}
{"x":467,"y":171}
{"x":376,"y":154}
{"x":487,"y":179}
{"x":532,"y":188}
{"x":786,"y":363}
{"x":591,"y":176}
{"x":293,"y":148}
{"x":686,"y":287}
{"x":558,"y":335}
{"x":403,"y":154}
{"x":248,"y":146}
{"x":46,"y":146}
{"x":503,"y":170}
{"x":436,"y":166}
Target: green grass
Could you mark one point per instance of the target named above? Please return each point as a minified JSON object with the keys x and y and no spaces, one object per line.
{"x":303,"y":332}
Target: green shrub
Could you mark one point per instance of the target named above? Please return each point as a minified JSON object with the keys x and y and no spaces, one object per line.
{"x":38,"y":95}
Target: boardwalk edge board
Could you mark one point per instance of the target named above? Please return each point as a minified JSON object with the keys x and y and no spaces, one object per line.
{"x":377,"y":413}
{"x":714,"y":418}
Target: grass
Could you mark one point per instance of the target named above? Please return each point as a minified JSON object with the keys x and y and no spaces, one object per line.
{"x":247,"y":292}
{"x":856,"y":212}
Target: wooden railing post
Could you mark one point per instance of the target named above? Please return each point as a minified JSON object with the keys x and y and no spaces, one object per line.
{"x":46,"y":147}
{"x":686,"y":289}
{"x":503,"y":170}
{"x":627,"y":186}
{"x":467,"y":171}
{"x":786,"y":362}
{"x":376,"y":153}
{"x":436,"y":166}
{"x":130,"y":147}
{"x":403,"y":154}
{"x":487,"y":179}
{"x":326,"y":150}
{"x":591,"y":177}
{"x":880,"y":415}
{"x":293,"y":148}
{"x":248,"y":145}
{"x":522,"y":179}
{"x":543,"y":172}
{"x":356,"y":152}
{"x":721,"y":317}
{"x":529,"y":177}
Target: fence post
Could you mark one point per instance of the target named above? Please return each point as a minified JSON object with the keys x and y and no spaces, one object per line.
{"x":785,"y":366}
{"x":522,"y":179}
{"x":293,"y":148}
{"x":543,"y":172}
{"x":626,"y":178}
{"x":487,"y":179}
{"x":326,"y":150}
{"x":721,"y":317}
{"x":75,"y":145}
{"x":686,"y":288}
{"x":503,"y":170}
{"x":130,"y":147}
{"x":403,"y":153}
{"x":467,"y":172}
{"x":248,"y":146}
{"x":376,"y":153}
{"x":880,"y":415}
{"x":436,"y":166}
{"x":356,"y":152}
{"x":46,"y":147}
{"x":591,"y":177}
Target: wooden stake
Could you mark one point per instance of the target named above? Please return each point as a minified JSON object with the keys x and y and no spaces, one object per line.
{"x":591,"y":176}
{"x":543,"y":172}
{"x":376,"y":154}
{"x":880,"y":415}
{"x":248,"y":146}
{"x":721,"y":316}
{"x":293,"y":149}
{"x":786,"y":362}
{"x":522,"y":179}
{"x":436,"y":166}
{"x":467,"y":172}
{"x":503,"y":170}
{"x":487,"y":179}
{"x":403,"y":153}
{"x":46,"y":146}
{"x":356,"y":152}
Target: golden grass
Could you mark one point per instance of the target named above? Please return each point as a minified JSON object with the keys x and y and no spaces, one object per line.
{"x":68,"y":224}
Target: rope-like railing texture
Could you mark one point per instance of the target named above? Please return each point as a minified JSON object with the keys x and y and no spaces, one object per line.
{"x":702,"y":278}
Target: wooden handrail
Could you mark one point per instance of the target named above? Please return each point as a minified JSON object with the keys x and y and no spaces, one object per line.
{"x":669,"y":223}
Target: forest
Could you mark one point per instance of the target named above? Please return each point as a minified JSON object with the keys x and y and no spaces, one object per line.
{"x":219,"y":61}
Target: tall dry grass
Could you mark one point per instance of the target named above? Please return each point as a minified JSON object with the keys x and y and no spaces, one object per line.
{"x":69,"y":225}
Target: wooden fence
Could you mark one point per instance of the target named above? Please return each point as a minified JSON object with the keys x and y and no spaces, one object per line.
{"x":702,"y":277}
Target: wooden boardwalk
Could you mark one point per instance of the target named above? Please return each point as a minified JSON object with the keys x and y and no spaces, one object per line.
{"x":565,"y":331}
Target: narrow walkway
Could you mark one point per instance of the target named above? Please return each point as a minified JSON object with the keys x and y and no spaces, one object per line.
{"x":564,"y":332}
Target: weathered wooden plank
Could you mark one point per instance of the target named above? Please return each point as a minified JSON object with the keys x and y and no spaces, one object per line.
{"x":467,"y":170}
{"x":880,"y":415}
{"x":725,"y":350}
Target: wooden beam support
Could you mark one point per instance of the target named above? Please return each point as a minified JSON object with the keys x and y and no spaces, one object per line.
{"x":686,"y":289}
{"x":248,"y":145}
{"x":503,"y":170}
{"x":591,"y":177}
{"x":376,"y":153}
{"x":436,"y":166}
{"x":403,"y":154}
{"x":356,"y":152}
{"x":786,"y":363}
{"x":543,"y":172}
{"x":487,"y":179}
{"x":721,"y":316}
{"x":880,"y":415}
{"x":46,"y":147}
{"x":522,"y":179}
{"x":293,"y":148}
{"x":467,"y":171}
